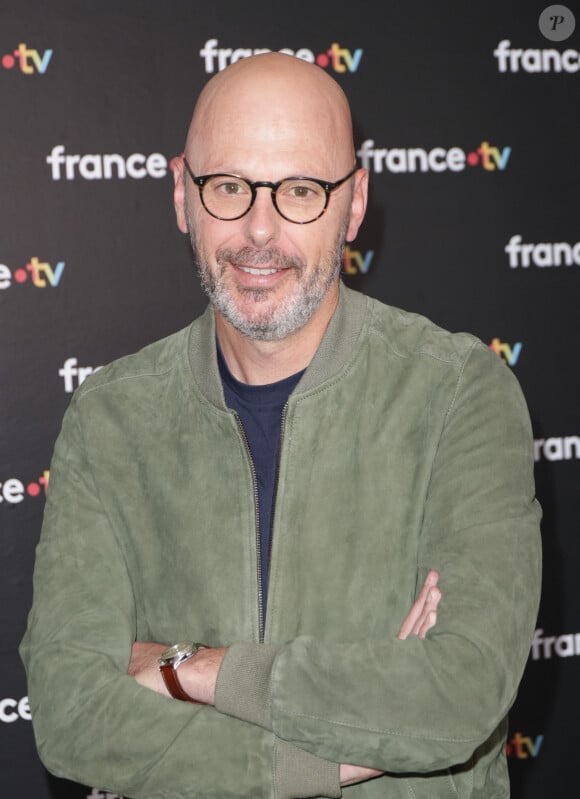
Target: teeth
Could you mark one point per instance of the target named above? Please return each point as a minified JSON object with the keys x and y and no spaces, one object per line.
{"x":250,"y":271}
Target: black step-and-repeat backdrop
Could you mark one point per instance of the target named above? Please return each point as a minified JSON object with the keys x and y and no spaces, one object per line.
{"x":468,"y":119}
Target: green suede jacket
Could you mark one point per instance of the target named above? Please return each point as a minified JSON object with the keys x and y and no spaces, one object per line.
{"x":404,"y":448}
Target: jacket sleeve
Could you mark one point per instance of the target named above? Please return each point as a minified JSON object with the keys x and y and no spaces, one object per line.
{"x":424,"y":705}
{"x":93,"y":723}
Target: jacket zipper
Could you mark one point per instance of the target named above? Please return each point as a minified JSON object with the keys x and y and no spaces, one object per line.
{"x":257,"y":516}
{"x":280,"y":440}
{"x":257,"y":510}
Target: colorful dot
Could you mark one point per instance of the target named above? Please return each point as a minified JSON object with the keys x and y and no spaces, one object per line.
{"x":472,"y":159}
{"x":322,"y":60}
{"x":7,"y":61}
{"x":33,"y":489}
{"x":20,"y":276}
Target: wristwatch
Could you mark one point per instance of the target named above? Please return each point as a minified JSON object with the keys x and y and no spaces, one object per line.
{"x":170,"y":660}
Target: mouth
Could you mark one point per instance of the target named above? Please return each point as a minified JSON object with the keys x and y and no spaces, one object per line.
{"x":255,"y":268}
{"x":251,"y":270}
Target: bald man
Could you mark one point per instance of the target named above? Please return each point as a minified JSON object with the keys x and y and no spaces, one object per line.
{"x":236,"y":583}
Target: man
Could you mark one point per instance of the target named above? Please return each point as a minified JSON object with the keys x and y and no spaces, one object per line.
{"x":277,"y":482}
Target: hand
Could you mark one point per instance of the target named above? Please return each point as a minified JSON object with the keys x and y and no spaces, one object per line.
{"x":423,"y":614}
{"x":420,"y":619}
{"x":349,"y":775}
{"x":197,"y":675}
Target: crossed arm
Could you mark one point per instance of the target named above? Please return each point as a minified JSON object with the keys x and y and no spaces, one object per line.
{"x":198,"y":675}
{"x":479,"y":528}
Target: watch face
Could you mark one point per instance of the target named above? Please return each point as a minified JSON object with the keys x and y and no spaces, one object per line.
{"x":176,"y":652}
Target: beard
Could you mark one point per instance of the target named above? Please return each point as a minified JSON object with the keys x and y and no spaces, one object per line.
{"x":254,"y":316}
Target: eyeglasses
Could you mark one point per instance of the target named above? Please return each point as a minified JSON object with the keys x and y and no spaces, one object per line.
{"x":298,"y":200}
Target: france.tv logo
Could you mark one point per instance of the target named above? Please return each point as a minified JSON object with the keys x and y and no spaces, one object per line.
{"x":510,"y":353}
{"x":29,"y":61}
{"x":437,"y":159}
{"x":13,"y":491}
{"x":36,"y":273}
{"x":340,"y":59}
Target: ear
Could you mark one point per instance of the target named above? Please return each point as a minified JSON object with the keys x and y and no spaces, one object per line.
{"x":358,"y":205}
{"x":179,"y":192}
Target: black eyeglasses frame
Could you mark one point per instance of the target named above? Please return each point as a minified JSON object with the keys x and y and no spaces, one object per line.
{"x":328,"y":186}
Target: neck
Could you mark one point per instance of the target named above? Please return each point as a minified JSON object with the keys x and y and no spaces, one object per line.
{"x":261,"y":362}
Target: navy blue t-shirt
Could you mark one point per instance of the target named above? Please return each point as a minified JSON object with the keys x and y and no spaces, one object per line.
{"x":260,"y":410}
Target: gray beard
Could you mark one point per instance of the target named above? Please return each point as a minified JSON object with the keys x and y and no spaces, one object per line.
{"x":293,"y":311}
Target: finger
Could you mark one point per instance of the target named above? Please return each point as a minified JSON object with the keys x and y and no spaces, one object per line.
{"x":430,"y":582}
{"x":429,"y":622}
{"x":414,"y":616}
{"x":430,"y":614}
{"x":350,"y":774}
{"x":429,"y":606}
{"x":432,"y":578}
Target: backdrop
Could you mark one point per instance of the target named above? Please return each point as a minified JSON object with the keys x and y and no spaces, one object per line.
{"x":468,"y":120}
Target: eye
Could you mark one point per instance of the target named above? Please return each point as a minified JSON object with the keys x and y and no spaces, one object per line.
{"x":302,"y":192}
{"x":231,"y":188}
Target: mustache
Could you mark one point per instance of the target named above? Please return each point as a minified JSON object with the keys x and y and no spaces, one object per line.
{"x":250,"y":256}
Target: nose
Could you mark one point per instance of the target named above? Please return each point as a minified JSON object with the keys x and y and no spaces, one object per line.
{"x":262,"y":222}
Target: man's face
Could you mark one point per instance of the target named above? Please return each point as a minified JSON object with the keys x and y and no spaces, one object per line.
{"x":266,"y":293}
{"x":267,"y":276}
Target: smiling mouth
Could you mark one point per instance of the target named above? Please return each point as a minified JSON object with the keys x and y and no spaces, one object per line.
{"x":249,"y":270}
{"x":266,"y":263}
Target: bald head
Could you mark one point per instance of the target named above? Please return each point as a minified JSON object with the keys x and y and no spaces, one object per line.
{"x":264,"y":119}
{"x":272,"y":105}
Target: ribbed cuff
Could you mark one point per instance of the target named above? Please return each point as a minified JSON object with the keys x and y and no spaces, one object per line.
{"x":299,"y":774}
{"x":243,"y":690}
{"x":243,"y":683}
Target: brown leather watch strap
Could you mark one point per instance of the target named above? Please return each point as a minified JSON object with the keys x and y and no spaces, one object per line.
{"x":169,"y":674}
{"x":169,"y":662}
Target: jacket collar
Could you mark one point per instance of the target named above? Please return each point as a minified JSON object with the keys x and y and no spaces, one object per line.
{"x":334,"y":352}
